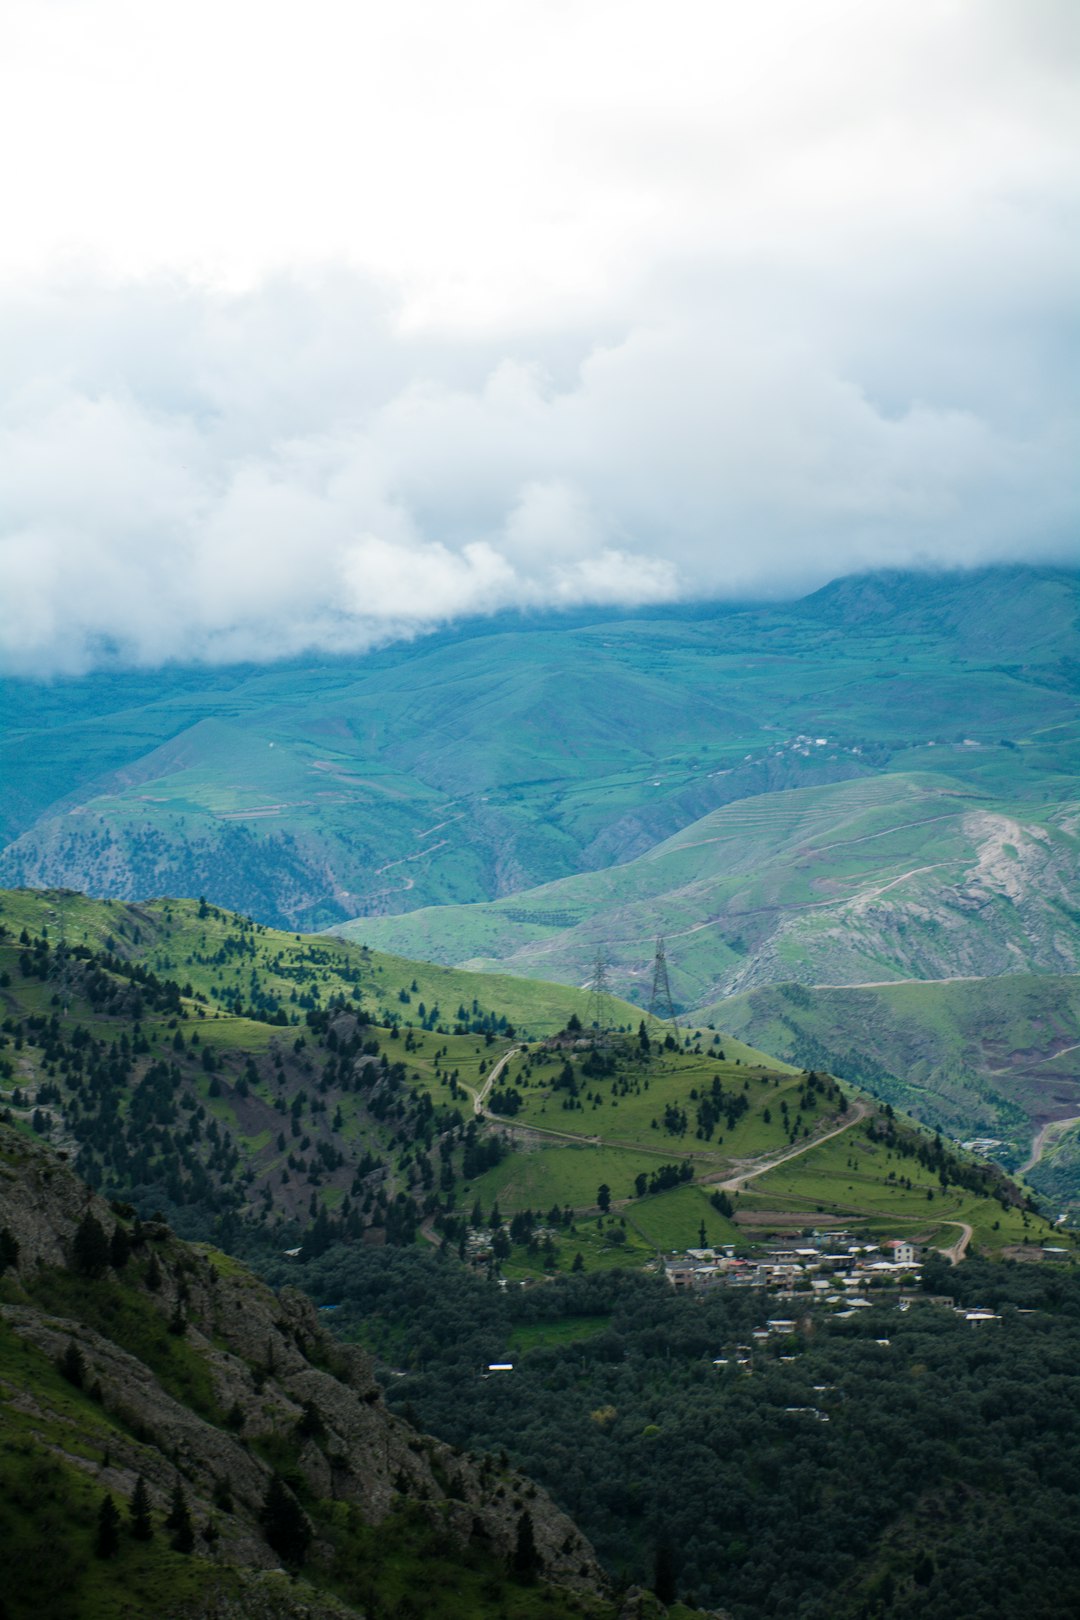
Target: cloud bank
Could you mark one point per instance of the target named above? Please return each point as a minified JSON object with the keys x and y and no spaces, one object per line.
{"x":748,"y":325}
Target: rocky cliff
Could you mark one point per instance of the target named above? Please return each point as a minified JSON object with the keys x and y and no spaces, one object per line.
{"x":207,"y":1380}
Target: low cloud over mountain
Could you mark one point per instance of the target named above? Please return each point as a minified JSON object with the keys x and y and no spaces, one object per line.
{"x":700,"y":331}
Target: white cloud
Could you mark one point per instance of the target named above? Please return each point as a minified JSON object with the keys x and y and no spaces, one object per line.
{"x":327,"y":324}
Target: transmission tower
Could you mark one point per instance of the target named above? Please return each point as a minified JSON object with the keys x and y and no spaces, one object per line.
{"x":600,"y":1011}
{"x":660,"y":1002}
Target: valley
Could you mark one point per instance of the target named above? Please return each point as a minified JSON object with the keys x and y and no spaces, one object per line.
{"x":348,"y":974}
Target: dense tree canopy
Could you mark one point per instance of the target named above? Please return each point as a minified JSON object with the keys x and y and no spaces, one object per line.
{"x":894,"y":1462}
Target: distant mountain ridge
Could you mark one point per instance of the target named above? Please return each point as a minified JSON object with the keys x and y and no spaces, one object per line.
{"x":478,"y":765}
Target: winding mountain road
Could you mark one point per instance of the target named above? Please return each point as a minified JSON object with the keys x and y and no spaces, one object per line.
{"x":758,"y":1167}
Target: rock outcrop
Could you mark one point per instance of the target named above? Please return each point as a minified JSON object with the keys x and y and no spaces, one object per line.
{"x":210,"y":1374}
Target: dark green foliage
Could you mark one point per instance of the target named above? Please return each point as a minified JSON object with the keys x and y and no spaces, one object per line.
{"x":285,"y":1524}
{"x":139,"y":1512}
{"x":526,"y":1555}
{"x":179,"y":1522}
{"x":90,"y":1248}
{"x":72,"y":1364}
{"x":119,"y":1248}
{"x":9,"y":1250}
{"x":929,"y":1472}
{"x":107,"y":1539}
{"x":310,"y":1425}
{"x":664,"y":1571}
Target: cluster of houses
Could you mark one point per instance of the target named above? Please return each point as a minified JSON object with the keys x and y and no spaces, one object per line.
{"x":831,"y":1268}
{"x":834,"y":1266}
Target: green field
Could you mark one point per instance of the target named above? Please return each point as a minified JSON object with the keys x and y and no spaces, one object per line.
{"x":854,"y":1177}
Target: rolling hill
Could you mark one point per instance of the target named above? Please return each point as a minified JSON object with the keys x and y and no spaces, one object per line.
{"x":335,"y":1117}
{"x":898,"y":876}
{"x":483,"y":762}
{"x":981,"y":1058}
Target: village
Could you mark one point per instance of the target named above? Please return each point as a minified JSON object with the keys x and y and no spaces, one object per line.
{"x":830,"y":1268}
{"x":829,"y":1265}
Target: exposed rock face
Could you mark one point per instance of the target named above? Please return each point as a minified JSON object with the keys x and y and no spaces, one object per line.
{"x":274,"y":1371}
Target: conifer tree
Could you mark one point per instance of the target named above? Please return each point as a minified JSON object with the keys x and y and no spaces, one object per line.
{"x":72,"y":1365}
{"x":9,"y":1249}
{"x":107,"y":1541}
{"x":285,"y":1523}
{"x":179,"y":1521}
{"x":526,"y":1555}
{"x":119,"y":1248}
{"x":90,"y":1250}
{"x":139,"y":1512}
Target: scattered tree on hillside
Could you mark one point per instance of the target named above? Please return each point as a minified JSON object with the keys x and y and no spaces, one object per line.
{"x":90,"y":1249}
{"x":107,"y":1539}
{"x":139,"y":1512}
{"x":284,"y":1523}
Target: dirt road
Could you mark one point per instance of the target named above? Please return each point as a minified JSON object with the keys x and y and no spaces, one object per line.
{"x":1042,"y":1137}
{"x":758,"y":1167}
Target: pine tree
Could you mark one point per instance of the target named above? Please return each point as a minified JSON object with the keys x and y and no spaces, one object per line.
{"x":526,"y":1556}
{"x":90,"y":1250}
{"x":9,"y":1249}
{"x":107,"y":1541}
{"x":179,"y":1521}
{"x":119,"y":1248}
{"x":72,"y":1365}
{"x":284,"y":1523}
{"x":139,"y":1512}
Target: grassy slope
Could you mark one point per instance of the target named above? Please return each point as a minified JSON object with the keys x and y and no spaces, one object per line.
{"x":435,"y":774}
{"x":622,"y":1124}
{"x":170,"y":937}
{"x":912,"y":875}
{"x":994,"y":1057}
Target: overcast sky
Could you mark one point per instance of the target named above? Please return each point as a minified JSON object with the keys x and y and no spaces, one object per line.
{"x":327,"y":321}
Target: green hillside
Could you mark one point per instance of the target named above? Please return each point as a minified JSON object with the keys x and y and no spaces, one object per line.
{"x":897,"y":876}
{"x":241,"y":965}
{"x":485,"y":762}
{"x":343,"y":1117}
{"x":997,"y":1058}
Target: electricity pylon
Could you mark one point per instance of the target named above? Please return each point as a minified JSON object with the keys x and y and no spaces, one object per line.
{"x":660,"y":1003}
{"x":600,"y":1011}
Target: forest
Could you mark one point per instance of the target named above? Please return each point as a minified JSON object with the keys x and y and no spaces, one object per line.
{"x":899,"y":1462}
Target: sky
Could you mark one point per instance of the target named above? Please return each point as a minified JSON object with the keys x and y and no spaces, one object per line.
{"x":326,"y":323}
